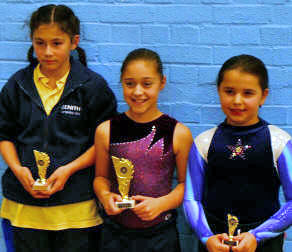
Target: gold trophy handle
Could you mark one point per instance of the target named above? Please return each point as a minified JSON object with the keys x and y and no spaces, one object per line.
{"x":43,"y":161}
{"x":124,"y":171}
{"x":232,"y":225}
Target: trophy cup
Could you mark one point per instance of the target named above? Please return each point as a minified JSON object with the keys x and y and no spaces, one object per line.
{"x":43,"y":162}
{"x":124,"y":171}
{"x":232,"y":224}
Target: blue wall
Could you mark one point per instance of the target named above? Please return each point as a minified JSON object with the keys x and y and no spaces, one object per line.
{"x":193,"y":37}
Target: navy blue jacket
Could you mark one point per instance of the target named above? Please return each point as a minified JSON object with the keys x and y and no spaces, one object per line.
{"x":64,"y":135}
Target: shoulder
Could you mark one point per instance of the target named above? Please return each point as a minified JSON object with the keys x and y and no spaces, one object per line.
{"x":275,"y":131}
{"x":182,"y":132}
{"x":279,"y":139}
{"x":182,"y":139}
{"x":93,"y":85}
{"x":103,"y":129}
{"x":205,"y":137}
{"x":85,"y":74}
{"x":203,"y":141}
{"x":12,"y":83}
{"x":97,"y":86}
{"x":102,"y":136}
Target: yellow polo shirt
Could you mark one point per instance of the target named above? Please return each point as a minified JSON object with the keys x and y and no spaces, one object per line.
{"x":76,"y":215}
{"x":49,"y":96}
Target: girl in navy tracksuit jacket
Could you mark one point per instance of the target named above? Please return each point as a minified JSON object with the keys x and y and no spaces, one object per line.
{"x":52,"y":106}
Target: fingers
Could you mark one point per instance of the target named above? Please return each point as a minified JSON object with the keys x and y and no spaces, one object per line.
{"x":139,"y":197}
{"x":148,"y":208}
{"x":215,"y":244}
{"x":110,"y":204}
{"x":39,"y":195}
{"x":247,"y":243}
{"x":27,"y":182}
{"x":56,"y":181}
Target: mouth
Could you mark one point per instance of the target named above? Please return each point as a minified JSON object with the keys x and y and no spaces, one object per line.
{"x":49,"y":61}
{"x":138,"y":101}
{"x":237,"y":111}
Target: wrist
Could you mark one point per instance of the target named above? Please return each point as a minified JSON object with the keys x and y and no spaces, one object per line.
{"x":16,"y":168}
{"x":163,"y":204}
{"x":254,"y":235}
{"x":103,"y":196}
{"x":69,"y":170}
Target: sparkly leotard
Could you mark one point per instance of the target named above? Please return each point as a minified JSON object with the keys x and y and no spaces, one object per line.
{"x":239,"y":170}
{"x":149,"y":147}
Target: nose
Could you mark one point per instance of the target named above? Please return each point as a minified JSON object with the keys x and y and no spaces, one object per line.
{"x":138,"y":89}
{"x":48,"y":50}
{"x":237,"y":99}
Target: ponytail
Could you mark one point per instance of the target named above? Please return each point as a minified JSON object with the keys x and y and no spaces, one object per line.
{"x":32,"y":60}
{"x":81,"y":55}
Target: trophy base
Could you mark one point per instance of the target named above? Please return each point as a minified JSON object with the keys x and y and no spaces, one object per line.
{"x":40,"y":186}
{"x":230,"y":242}
{"x":125,"y":204}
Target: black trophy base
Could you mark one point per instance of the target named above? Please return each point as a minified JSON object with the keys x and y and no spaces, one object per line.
{"x":125,"y":204}
{"x":230,"y":242}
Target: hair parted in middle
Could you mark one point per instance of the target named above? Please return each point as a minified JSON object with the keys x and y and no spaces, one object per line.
{"x":245,"y":63}
{"x":143,"y":54}
{"x":58,"y":14}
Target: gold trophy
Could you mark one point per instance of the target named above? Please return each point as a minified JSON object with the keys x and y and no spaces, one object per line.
{"x":124,"y":171}
{"x":43,"y":162}
{"x":232,"y":225}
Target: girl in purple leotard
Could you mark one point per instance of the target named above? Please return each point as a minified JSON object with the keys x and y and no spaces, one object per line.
{"x":155,"y":143}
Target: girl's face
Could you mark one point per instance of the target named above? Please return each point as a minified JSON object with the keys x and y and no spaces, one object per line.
{"x":52,"y":47}
{"x":240,"y":96}
{"x":141,"y":86}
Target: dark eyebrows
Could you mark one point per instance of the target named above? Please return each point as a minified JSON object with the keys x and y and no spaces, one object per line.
{"x":128,"y":79}
{"x":145,"y":78}
{"x":250,"y":90}
{"x":55,"y":39}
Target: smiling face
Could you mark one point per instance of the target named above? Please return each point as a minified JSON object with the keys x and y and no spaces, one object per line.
{"x":141,"y":86}
{"x":52,"y":47}
{"x":240,"y":96}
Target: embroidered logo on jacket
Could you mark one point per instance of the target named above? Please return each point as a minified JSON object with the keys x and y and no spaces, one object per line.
{"x":71,"y":110}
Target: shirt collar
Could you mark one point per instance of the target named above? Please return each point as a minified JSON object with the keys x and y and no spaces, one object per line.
{"x":44,"y":80}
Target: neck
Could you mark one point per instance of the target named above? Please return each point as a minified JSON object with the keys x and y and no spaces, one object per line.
{"x":55,"y":75}
{"x":142,"y":118}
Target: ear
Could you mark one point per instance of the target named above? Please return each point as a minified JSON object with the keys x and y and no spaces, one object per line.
{"x":75,"y":41}
{"x":163,"y":82}
{"x":264,"y":96}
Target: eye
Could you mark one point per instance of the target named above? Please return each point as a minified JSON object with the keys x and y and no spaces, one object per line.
{"x":39,"y":42}
{"x":57,"y":43}
{"x":248,"y":92}
{"x":229,"y":91}
{"x":129,"y":83}
{"x":147,"y":84}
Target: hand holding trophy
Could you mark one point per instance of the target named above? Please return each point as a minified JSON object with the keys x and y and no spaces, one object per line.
{"x":232,"y":225}
{"x":124,"y":171}
{"x":43,"y":162}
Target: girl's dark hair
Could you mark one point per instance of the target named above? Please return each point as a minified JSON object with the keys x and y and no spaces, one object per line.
{"x":143,"y":54}
{"x":248,"y":64}
{"x":61,"y":15}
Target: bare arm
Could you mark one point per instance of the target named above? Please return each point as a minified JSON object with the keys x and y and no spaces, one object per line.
{"x":101,"y":182}
{"x":181,"y":144}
